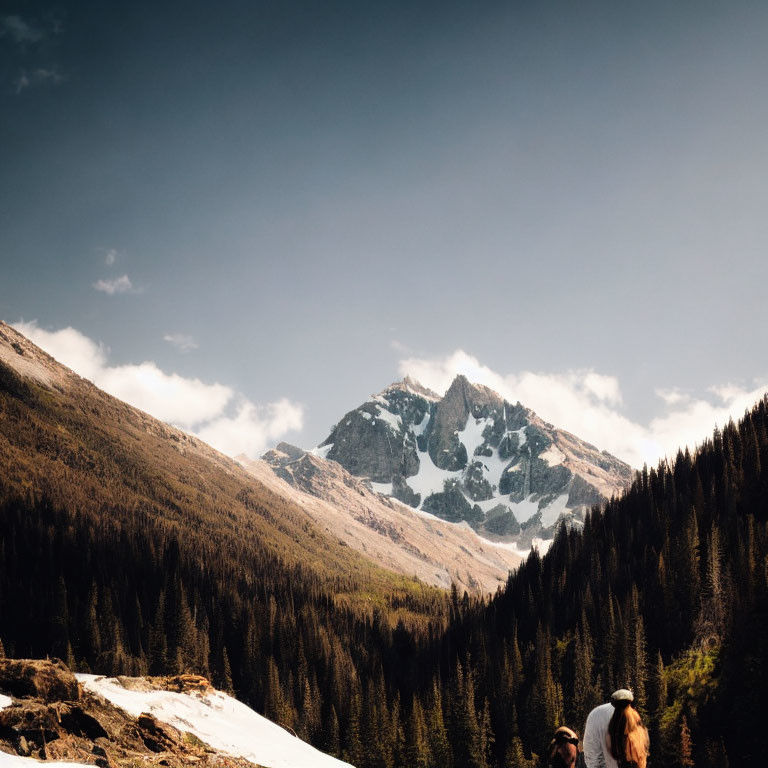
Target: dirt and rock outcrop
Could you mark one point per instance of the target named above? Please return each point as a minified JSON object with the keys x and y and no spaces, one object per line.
{"x":52,"y":717}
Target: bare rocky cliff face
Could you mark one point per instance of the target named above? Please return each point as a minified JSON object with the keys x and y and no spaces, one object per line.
{"x":472,"y":456}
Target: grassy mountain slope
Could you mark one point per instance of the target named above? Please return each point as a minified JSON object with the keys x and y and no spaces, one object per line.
{"x":62,"y":437}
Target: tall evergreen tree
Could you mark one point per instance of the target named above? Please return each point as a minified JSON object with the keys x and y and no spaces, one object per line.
{"x":440,"y":749}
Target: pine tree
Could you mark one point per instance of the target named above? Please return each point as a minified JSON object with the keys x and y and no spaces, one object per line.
{"x":437,"y":735}
{"x":333,"y":742}
{"x":485,"y":737}
{"x":716,"y":596}
{"x":464,"y":725}
{"x":686,"y":745}
{"x":417,"y":750}
{"x":158,"y":646}
{"x":375,"y":733}
{"x":277,"y":707}
{"x":313,"y":709}
{"x":545,"y":699}
{"x":515,"y":757}
{"x":226,"y":673}
{"x":59,"y":628}
{"x":184,"y":633}
{"x":609,"y":650}
{"x":353,"y":751}
{"x":584,"y":692}
{"x":70,"y":658}
{"x":657,"y":693}
{"x":637,"y":657}
{"x":92,"y":630}
{"x":687,"y":572}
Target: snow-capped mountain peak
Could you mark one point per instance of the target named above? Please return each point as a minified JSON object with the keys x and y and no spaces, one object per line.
{"x":471,"y":455}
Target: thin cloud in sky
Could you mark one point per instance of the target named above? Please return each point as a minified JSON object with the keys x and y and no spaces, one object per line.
{"x":36,"y":68}
{"x":399,"y":347}
{"x":21,"y":31}
{"x":120,"y":284}
{"x":588,"y":404}
{"x":111,"y":257}
{"x":37,"y":77}
{"x":181,"y":341}
{"x":214,"y":412}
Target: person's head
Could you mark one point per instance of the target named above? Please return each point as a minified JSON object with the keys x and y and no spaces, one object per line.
{"x":564,"y":748}
{"x":627,"y":737}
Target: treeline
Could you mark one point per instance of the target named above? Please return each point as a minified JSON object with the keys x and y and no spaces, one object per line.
{"x":125,"y":557}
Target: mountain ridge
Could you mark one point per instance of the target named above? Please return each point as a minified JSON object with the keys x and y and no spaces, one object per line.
{"x":471,"y":455}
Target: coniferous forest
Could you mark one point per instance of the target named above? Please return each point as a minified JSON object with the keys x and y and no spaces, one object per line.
{"x":121,"y":560}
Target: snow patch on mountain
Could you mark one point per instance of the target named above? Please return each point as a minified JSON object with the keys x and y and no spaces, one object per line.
{"x":322,"y":451}
{"x":523,"y":510}
{"x":553,"y":456}
{"x":540,"y":545}
{"x":394,"y":421}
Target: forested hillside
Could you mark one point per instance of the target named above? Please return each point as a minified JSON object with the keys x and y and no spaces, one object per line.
{"x":665,"y":591}
{"x":128,"y":547}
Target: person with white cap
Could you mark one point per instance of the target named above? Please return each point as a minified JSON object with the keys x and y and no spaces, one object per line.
{"x":614,"y":736}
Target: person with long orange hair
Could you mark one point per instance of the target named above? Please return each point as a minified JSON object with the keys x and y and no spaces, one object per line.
{"x":614,"y":736}
{"x":628,"y":738}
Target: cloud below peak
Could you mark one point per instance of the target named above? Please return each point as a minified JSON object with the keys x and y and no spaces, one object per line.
{"x":589,"y":404}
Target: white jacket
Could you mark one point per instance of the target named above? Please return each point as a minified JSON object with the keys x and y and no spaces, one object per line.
{"x":596,"y":753}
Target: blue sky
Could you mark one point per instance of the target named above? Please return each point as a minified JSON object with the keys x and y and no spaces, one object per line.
{"x":250,"y":216}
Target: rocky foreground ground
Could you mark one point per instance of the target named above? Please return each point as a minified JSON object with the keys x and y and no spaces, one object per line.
{"x":52,"y":717}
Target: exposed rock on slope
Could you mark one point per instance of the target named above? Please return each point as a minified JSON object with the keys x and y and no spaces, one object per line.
{"x":472,"y":456}
{"x":52,"y":718}
{"x":395,"y":535}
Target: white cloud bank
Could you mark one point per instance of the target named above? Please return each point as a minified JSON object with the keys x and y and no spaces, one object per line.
{"x":214,"y":412}
{"x":589,"y":404}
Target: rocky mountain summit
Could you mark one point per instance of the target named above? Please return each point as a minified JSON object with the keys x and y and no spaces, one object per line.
{"x":472,"y":456}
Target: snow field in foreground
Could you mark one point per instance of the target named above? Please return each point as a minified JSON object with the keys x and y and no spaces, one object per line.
{"x":220,"y":721}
